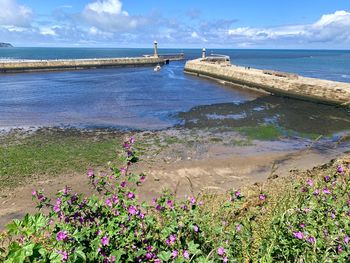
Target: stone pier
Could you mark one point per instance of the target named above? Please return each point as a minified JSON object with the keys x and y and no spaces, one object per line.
{"x":71,"y":64}
{"x":19,"y":66}
{"x":279,"y":83}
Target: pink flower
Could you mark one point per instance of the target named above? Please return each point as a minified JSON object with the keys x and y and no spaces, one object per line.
{"x":64,"y":255}
{"x":149,"y":255}
{"x":123,"y":184}
{"x":132,"y":140}
{"x":195,"y":228}
{"x":262,"y":197}
{"x":109,"y":202}
{"x":174,"y":254}
{"x":66,"y":190}
{"x":298,"y":235}
{"x":340,"y":169}
{"x":149,"y":248}
{"x":33,"y":192}
{"x":225,"y":260}
{"x":122,"y":170}
{"x":58,"y":201}
{"x":311,"y":240}
{"x":170,"y":203}
{"x":326,"y":191}
{"x":340,"y":248}
{"x":221,"y":251}
{"x":171,"y":240}
{"x":302,"y":225}
{"x":131,"y":195}
{"x":193,"y":200}
{"x":186,"y":254}
{"x":56,"y":208}
{"x":346,"y":239}
{"x":316,"y":192}
{"x":115,"y":199}
{"x":154,"y":200}
{"x":142,"y":178}
{"x":238,"y":228}
{"x":309,"y":182}
{"x":132,"y":210}
{"x":238,"y":194}
{"x":126,"y":145}
{"x":90,"y":172}
{"x":61,"y":235}
{"x":105,"y":241}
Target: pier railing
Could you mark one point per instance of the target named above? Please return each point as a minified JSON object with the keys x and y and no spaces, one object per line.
{"x":217,"y":58}
{"x":169,"y":56}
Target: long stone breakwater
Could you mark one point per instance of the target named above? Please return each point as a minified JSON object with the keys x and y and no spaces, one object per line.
{"x":71,"y":64}
{"x":279,"y":83}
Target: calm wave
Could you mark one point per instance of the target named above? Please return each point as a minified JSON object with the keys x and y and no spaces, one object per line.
{"x":139,"y":97}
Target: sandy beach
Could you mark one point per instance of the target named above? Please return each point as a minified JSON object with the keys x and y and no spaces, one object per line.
{"x":185,"y":164}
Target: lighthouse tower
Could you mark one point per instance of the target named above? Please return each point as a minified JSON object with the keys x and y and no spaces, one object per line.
{"x":155,"y":49}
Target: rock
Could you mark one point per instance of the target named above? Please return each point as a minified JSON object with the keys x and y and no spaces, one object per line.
{"x":5,"y":44}
{"x":272,"y":177}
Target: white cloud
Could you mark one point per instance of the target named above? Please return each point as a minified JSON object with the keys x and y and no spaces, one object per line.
{"x":330,"y":28}
{"x":108,"y":7}
{"x":194,"y":34}
{"x":95,"y":32}
{"x":339,"y":17}
{"x":13,"y":14}
{"x":109,"y":16}
{"x":47,"y":31}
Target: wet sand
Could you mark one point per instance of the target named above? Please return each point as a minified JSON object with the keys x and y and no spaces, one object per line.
{"x":188,"y":162}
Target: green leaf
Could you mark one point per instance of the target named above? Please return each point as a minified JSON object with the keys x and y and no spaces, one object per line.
{"x":80,"y":254}
{"x":16,"y":253}
{"x":193,"y":248}
{"x":164,"y":256}
{"x":14,"y":227}
{"x":55,"y":258}
{"x":118,"y":255}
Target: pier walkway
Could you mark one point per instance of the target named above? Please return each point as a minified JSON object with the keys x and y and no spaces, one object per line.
{"x":279,"y":83}
{"x":20,"y":66}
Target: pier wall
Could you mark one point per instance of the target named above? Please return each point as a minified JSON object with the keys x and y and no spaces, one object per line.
{"x":69,"y":64}
{"x":290,"y":85}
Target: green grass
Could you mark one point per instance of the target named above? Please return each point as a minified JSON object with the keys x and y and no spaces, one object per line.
{"x":262,"y":132}
{"x":52,"y":154}
{"x":311,"y":136}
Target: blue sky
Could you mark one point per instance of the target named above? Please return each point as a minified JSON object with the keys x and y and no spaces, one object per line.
{"x":321,"y":24}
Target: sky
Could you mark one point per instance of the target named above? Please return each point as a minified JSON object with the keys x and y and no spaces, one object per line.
{"x":265,"y":24}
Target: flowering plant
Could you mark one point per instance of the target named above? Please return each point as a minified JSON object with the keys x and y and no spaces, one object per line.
{"x":308,"y":224}
{"x":111,"y":225}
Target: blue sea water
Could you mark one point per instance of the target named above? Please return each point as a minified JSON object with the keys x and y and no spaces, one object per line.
{"x":140,"y":98}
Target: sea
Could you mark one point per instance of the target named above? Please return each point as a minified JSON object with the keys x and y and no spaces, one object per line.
{"x":140,"y":98}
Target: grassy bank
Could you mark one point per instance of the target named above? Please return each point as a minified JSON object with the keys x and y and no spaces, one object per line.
{"x":53,"y":152}
{"x":301,"y":218}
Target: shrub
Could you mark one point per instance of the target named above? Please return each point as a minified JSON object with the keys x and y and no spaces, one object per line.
{"x":309,"y":224}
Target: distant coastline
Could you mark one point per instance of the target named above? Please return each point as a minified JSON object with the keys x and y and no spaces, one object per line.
{"x":5,"y":45}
